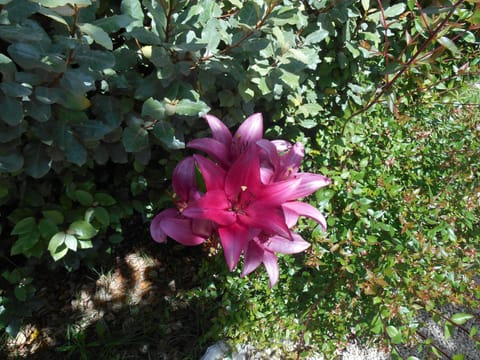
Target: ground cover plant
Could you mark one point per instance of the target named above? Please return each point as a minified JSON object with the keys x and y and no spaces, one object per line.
{"x":99,"y":98}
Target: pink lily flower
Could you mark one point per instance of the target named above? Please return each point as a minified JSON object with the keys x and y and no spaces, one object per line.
{"x":171,"y":222}
{"x":239,"y":204}
{"x":251,"y":199}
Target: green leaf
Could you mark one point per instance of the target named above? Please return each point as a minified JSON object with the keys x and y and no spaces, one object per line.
{"x":134,"y":138}
{"x":95,"y":59}
{"x":7,"y":68}
{"x":71,"y":242}
{"x":461,"y":318}
{"x":84,"y":197}
{"x":47,"y":228}
{"x":28,"y":56}
{"x":92,"y":130}
{"x":10,"y":160}
{"x":458,"y":357}
{"x":316,"y":36}
{"x":55,"y":3}
{"x":191,"y":108}
{"x":132,"y":8}
{"x":14,"y":89}
{"x":249,"y":15}
{"x":153,"y":108}
{"x":55,"y":241}
{"x":25,"y":242}
{"x":60,"y":252}
{"x":12,"y":110}
{"x":97,"y":34}
{"x":114,"y":23}
{"x":28,"y":32}
{"x":38,"y":110}
{"x":53,"y":15}
{"x":448,"y":330}
{"x":395,"y":10}
{"x":13,"y":277}
{"x":102,"y":216}
{"x":48,"y":95}
{"x":20,"y":292}
{"x":166,"y":134}
{"x":85,"y":244}
{"x":104,"y":199}
{"x":76,"y":101}
{"x":37,"y":161}
{"x":448,"y":44}
{"x":394,"y":334}
{"x":82,"y":229}
{"x":24,"y":226}
{"x":76,"y":153}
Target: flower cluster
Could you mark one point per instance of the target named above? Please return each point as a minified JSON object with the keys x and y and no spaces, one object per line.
{"x":249,"y":198}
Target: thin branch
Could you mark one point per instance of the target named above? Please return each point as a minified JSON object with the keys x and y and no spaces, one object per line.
{"x":409,"y":63}
{"x":386,"y":41}
{"x":245,"y":36}
{"x":424,"y":337}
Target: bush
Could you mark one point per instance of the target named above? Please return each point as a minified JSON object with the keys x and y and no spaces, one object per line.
{"x":98,"y":98}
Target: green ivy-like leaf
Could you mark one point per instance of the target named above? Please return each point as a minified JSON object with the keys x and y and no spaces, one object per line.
{"x":37,"y":161}
{"x":84,"y":197}
{"x":134,"y":138}
{"x":97,"y":34}
{"x":24,"y":226}
{"x":166,"y":134}
{"x":191,"y":108}
{"x":461,"y":318}
{"x":12,"y":110}
{"x":104,"y":199}
{"x":394,"y":334}
{"x":10,"y":160}
{"x":101,"y":214}
{"x":82,"y":230}
{"x":56,"y":3}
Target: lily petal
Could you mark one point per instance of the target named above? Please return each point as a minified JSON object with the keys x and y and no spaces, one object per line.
{"x":216,"y":149}
{"x":269,"y":152}
{"x":248,"y":133}
{"x":234,"y":239}
{"x":266,"y":217}
{"x":244,"y":174}
{"x":219,"y":131}
{"x":309,"y":183}
{"x":155,"y":226}
{"x":270,"y":262}
{"x":213,"y":175}
{"x":181,"y":231}
{"x":281,"y":145}
{"x":253,"y":257}
{"x":290,"y":162}
{"x":212,"y":206}
{"x":279,"y":192}
{"x":282,"y":245}
{"x":202,"y":228}
{"x":294,"y":209}
{"x":183,"y":178}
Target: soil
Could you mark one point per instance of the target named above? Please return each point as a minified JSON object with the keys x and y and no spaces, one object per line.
{"x":131,"y":311}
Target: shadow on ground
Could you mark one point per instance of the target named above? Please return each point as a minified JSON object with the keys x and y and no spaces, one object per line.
{"x":132,"y":311}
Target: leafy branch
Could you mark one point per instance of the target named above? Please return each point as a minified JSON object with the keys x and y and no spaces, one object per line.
{"x":409,"y":63}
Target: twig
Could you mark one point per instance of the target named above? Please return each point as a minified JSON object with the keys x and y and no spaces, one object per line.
{"x":385,"y":88}
{"x":249,"y":33}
